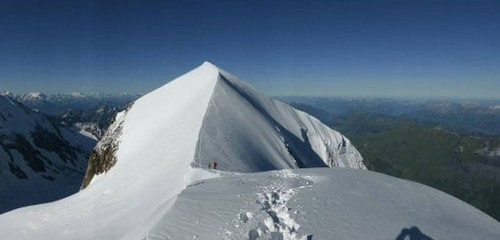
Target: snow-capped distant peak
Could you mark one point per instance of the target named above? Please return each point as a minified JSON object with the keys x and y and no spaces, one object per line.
{"x":77,"y":94}
{"x":209,"y":64}
{"x":36,"y":94}
{"x":33,"y":96}
{"x":5,"y":93}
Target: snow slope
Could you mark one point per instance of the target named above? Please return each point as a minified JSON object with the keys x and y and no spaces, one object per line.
{"x":39,"y":162}
{"x":320,"y":204}
{"x":246,"y":131}
{"x":157,"y":145}
{"x":158,"y":142}
{"x":162,"y":144}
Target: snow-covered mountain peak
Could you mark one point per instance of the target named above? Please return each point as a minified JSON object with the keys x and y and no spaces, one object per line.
{"x":78,"y":94}
{"x":5,"y":93}
{"x":232,"y":124}
{"x":163,"y":145}
{"x":207,"y":71}
{"x":15,"y":117}
{"x":209,"y":64}
{"x":204,"y":72}
{"x":32,"y":96}
{"x":204,"y":116}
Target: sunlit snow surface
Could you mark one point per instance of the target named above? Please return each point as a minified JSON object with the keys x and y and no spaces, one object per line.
{"x":156,"y":149}
{"x":319,"y":204}
{"x":170,"y":135}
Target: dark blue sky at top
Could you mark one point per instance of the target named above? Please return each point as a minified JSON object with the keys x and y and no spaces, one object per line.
{"x":327,"y":48}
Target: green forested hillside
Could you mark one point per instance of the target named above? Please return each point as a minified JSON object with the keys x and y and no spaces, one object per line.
{"x":464,"y":165}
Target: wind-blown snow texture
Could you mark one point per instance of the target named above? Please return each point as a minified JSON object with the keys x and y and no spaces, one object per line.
{"x":169,"y":135}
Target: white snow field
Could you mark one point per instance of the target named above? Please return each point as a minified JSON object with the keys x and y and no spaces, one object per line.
{"x":319,"y":203}
{"x":169,"y":136}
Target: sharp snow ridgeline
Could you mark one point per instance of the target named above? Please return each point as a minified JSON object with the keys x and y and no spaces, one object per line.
{"x":238,"y":127}
{"x":148,"y":177}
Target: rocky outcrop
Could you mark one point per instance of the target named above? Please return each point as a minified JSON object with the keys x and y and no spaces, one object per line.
{"x":103,"y":156}
{"x":54,"y":142}
{"x":17,"y":143}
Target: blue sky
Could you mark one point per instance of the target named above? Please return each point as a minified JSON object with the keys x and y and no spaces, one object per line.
{"x":317,"y":48}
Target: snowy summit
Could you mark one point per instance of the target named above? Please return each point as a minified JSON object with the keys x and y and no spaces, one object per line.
{"x":213,"y":115}
{"x":209,"y":157}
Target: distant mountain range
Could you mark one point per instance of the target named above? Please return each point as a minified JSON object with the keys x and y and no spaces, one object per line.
{"x":458,"y":160}
{"x":90,"y":112}
{"x":46,"y":141}
{"x":473,"y":116}
{"x":56,"y":104}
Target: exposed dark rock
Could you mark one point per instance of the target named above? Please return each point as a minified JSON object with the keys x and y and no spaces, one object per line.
{"x":50,"y":178}
{"x":103,"y":156}
{"x":16,"y":170}
{"x":101,"y":160}
{"x":54,"y":143}
{"x":31,"y":156}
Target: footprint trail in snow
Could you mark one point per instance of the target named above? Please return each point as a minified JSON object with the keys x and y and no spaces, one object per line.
{"x":279,"y":225}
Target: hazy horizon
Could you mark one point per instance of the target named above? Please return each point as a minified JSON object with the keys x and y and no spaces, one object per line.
{"x":495,"y":100}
